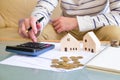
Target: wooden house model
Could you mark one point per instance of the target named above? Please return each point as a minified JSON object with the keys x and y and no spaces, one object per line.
{"x":91,"y":43}
{"x":69,"y":44}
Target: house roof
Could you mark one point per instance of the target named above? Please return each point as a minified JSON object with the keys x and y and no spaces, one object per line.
{"x":92,"y":36}
{"x":69,"y":36}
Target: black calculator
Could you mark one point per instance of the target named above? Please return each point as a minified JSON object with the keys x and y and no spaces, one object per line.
{"x":30,"y":48}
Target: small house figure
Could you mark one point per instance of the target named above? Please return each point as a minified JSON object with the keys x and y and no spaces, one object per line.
{"x":69,"y":44}
{"x":91,"y":43}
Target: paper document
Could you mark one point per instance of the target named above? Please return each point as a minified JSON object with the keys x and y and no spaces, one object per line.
{"x":43,"y":61}
{"x":108,"y":60}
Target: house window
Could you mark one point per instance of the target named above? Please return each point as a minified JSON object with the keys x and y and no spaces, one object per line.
{"x":68,"y":39}
{"x":92,"y":50}
{"x":73,"y":48}
{"x":89,"y":49}
{"x":85,"y":40}
{"x":76,"y":49}
{"x":66,"y":49}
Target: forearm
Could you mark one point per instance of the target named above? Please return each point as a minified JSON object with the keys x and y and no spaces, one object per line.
{"x":93,"y":22}
{"x":89,"y":23}
{"x":44,"y":9}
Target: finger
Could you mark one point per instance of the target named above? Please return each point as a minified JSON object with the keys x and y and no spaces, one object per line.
{"x":59,"y":30}
{"x":57,"y":27}
{"x":26,"y":23}
{"x":21,"y":34}
{"x":55,"y":22}
{"x":32,"y":36}
{"x":38,"y":25}
{"x":20,"y":22}
{"x":22,"y":31}
{"x":38,"y":29}
{"x":33,"y":24}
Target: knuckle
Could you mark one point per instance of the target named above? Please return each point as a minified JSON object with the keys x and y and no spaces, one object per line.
{"x":26,"y":20}
{"x":21,"y":21}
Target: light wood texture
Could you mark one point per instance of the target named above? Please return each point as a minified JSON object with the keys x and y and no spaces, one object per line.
{"x":69,"y":43}
{"x":25,"y":40}
{"x":91,"y":43}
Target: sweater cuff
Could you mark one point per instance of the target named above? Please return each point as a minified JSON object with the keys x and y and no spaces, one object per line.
{"x":85,"y":23}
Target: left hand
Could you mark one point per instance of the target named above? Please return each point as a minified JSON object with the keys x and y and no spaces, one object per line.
{"x":62,"y":24}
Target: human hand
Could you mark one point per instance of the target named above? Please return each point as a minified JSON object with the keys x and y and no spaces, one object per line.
{"x":64,"y":24}
{"x":24,"y":25}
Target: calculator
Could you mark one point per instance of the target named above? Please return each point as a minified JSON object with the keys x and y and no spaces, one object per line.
{"x":30,"y":48}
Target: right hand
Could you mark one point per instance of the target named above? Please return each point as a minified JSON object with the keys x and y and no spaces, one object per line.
{"x":24,"y":24}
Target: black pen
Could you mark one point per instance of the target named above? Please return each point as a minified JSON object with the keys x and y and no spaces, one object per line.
{"x":38,"y":21}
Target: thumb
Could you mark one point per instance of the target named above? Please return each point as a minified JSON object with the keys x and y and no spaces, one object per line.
{"x":38,"y":25}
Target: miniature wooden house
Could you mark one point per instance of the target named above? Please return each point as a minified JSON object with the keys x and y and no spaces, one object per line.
{"x":69,"y":44}
{"x":91,"y":43}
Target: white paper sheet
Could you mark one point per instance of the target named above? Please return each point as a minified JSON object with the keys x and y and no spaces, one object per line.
{"x":43,"y":61}
{"x":108,"y":60}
